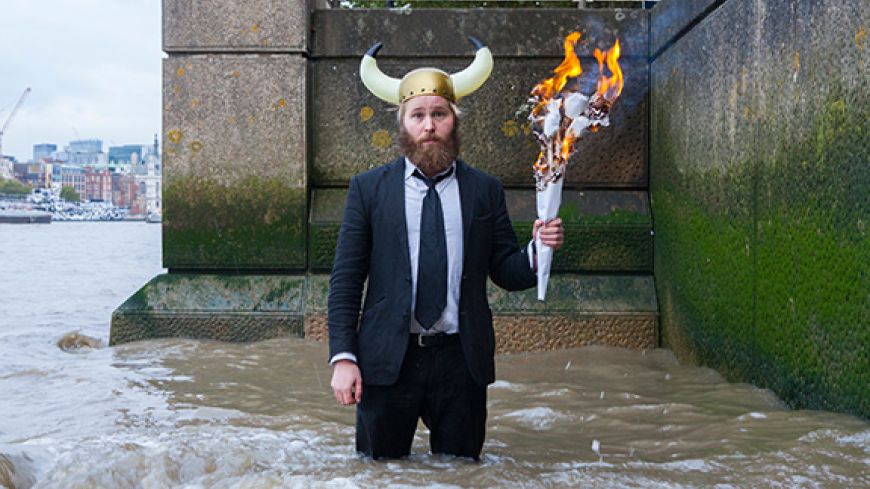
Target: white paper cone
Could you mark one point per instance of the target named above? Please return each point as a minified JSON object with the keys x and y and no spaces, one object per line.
{"x":548,"y":202}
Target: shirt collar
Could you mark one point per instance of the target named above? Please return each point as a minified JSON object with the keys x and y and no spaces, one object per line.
{"x":410,"y":167}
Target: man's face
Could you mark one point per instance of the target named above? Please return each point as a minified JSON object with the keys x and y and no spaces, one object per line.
{"x":427,"y":134}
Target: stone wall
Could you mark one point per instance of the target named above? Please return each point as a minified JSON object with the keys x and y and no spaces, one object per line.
{"x":266,"y":120}
{"x":760,"y":190}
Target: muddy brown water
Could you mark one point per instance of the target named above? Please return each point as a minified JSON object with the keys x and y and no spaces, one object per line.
{"x":183,"y":413}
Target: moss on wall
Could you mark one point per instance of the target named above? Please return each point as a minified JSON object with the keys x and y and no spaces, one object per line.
{"x":763,"y":268}
{"x":255,"y":223}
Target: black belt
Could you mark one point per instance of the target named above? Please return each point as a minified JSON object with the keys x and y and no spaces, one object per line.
{"x":431,"y":340}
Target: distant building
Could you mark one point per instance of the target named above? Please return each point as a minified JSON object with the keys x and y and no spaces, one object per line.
{"x":73,"y":176}
{"x":84,"y":152}
{"x":37,"y":175}
{"x":45,"y":151}
{"x":6,"y":172}
{"x":125,"y":154}
{"x":98,"y":185}
{"x":148,"y":178}
{"x":127,"y":193}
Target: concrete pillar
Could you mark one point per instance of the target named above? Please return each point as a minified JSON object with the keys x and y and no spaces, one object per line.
{"x":234,"y":174}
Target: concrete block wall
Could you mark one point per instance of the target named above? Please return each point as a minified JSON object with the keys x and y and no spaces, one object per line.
{"x":266,"y":120}
{"x":760,"y":192}
{"x":605,"y":203}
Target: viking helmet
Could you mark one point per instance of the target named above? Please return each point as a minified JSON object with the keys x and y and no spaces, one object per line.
{"x":426,"y":81}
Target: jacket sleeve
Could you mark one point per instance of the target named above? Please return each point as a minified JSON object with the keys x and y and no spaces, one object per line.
{"x":509,"y":265}
{"x":349,"y":272}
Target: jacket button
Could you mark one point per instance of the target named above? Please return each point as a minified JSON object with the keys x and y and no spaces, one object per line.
{"x":464,"y":277}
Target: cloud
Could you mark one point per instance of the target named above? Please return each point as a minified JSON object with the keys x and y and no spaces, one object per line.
{"x":93,"y":65}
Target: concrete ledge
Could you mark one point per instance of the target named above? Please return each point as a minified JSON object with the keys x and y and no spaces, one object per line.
{"x":516,"y":334}
{"x":239,"y":327}
{"x":219,"y":307}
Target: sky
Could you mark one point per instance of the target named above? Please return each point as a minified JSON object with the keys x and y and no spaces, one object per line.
{"x":94,"y":67}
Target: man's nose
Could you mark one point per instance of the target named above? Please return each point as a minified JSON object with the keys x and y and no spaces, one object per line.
{"x":428,"y":124}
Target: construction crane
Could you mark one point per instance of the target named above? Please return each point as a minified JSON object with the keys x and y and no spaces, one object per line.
{"x":11,"y":116}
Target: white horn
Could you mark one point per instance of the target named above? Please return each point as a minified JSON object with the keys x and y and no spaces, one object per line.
{"x":382,"y":86}
{"x":472,"y":77}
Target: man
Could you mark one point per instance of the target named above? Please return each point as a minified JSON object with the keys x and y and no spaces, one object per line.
{"x":425,"y":230}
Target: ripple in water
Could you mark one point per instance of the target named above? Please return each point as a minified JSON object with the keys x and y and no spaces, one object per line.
{"x":182,"y":413}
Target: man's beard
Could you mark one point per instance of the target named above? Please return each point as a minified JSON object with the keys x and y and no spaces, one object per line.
{"x":432,"y":158}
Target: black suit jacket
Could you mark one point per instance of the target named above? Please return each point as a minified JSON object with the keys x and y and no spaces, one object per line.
{"x":373,"y":244}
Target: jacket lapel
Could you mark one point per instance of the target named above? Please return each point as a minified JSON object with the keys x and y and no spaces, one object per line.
{"x":466,"y":199}
{"x":395,"y":208}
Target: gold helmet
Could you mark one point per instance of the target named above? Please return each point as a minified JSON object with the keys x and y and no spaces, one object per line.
{"x":426,"y":81}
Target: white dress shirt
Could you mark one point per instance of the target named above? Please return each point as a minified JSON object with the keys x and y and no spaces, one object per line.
{"x":448,"y":192}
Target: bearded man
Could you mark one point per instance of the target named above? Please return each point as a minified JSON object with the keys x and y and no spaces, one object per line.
{"x":425,"y":230}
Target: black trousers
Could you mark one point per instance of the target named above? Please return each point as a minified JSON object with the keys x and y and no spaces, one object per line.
{"x":434,"y":385}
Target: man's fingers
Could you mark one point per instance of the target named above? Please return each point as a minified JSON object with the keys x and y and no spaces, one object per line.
{"x":344,"y":396}
{"x":346,"y":383}
{"x":357,"y":389}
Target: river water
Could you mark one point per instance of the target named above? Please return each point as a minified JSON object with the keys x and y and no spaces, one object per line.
{"x":183,"y":413}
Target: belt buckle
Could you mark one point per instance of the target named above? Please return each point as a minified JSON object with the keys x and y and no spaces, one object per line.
{"x":420,"y":341}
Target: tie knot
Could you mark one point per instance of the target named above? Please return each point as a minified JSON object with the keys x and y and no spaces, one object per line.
{"x":431,"y":182}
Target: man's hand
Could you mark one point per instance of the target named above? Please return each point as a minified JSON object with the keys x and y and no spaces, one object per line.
{"x":346,"y":382}
{"x":552,"y":233}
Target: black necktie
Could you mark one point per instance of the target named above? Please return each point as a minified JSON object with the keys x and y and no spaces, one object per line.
{"x":432,"y":261}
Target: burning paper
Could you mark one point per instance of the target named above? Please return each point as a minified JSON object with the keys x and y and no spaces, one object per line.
{"x":559,"y":117}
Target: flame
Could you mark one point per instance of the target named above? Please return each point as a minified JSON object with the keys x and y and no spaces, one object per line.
{"x":567,"y":146}
{"x":544,"y":92}
{"x":569,"y":68}
{"x":611,"y":87}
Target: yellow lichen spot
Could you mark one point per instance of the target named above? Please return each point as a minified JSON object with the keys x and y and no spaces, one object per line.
{"x":196,"y":146}
{"x":510,"y":129}
{"x":796,"y":61}
{"x":176,"y":89}
{"x":859,"y":38}
{"x":180,"y":71}
{"x":231,"y":120}
{"x":527,"y":128}
{"x":281,"y":103}
{"x":264,"y":42}
{"x":382,"y":139}
{"x":236,"y":74}
{"x":255,"y":28}
{"x":174,"y":136}
{"x":251,"y":119}
{"x":194,"y":103}
{"x":745,"y":112}
{"x":366,"y":113}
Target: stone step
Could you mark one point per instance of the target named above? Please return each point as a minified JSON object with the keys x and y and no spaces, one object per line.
{"x":615,"y":310}
{"x":605,"y":230}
